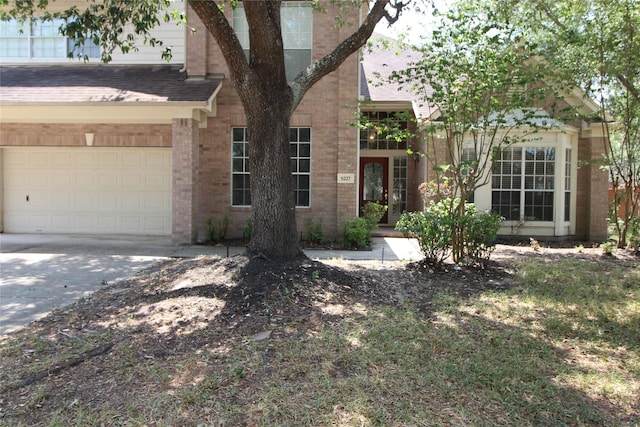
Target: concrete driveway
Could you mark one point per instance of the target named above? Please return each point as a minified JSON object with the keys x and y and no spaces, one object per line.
{"x":41,"y":272}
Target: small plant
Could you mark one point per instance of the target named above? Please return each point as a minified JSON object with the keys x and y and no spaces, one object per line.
{"x":248,"y":229}
{"x":608,"y":247}
{"x":373,"y":213}
{"x":217,"y":231}
{"x":314,"y":231}
{"x":315,"y":274}
{"x":356,"y":233}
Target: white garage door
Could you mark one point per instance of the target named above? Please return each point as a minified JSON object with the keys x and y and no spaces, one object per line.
{"x":88,"y":190}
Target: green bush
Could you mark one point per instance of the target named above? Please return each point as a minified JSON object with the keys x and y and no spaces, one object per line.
{"x":217,"y":231}
{"x":314,"y":230}
{"x":432,"y":228}
{"x":248,"y":229}
{"x":357,"y":231}
{"x":373,"y":213}
{"x":480,"y":233}
{"x":436,"y":226}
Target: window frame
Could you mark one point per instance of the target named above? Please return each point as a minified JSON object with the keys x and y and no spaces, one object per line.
{"x":533,"y":180}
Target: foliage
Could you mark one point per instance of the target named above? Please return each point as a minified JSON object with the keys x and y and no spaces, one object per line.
{"x":435,"y":229}
{"x":608,"y":247}
{"x":479,"y":82}
{"x":373,"y":213}
{"x":314,"y":230}
{"x":217,"y":231}
{"x":596,"y":44}
{"x":248,"y":229}
{"x":357,"y":231}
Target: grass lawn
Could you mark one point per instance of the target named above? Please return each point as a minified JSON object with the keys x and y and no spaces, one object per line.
{"x":560,"y":345}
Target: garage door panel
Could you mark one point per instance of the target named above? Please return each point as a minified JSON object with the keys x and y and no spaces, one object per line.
{"x":87,"y":190}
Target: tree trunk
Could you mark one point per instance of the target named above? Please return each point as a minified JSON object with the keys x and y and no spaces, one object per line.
{"x":274,"y":233}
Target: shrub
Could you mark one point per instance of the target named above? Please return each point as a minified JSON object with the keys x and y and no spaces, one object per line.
{"x":480,"y":233}
{"x":373,"y":213}
{"x":356,"y":233}
{"x":436,"y":226}
{"x":217,"y":231}
{"x":314,"y":230}
{"x":248,"y":229}
{"x":432,"y":229}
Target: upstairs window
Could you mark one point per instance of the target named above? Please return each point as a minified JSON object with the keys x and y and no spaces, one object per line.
{"x":296,"y":19}
{"x":34,"y":39}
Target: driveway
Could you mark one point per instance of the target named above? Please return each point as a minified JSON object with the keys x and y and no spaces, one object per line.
{"x":41,"y":272}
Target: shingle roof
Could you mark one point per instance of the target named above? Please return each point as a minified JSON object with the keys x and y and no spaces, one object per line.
{"x":27,"y":84}
{"x":379,"y":60}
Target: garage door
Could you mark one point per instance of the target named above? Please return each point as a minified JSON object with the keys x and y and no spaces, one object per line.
{"x":88,"y":190}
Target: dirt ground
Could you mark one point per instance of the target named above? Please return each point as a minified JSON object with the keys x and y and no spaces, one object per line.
{"x":161,"y":313}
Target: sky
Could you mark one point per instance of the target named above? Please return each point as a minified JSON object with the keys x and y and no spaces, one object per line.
{"x":412,"y":23}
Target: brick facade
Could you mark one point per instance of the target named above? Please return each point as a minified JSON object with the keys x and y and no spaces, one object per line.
{"x":201,"y":144}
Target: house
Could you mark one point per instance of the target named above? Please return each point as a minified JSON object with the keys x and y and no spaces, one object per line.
{"x":145,"y":147}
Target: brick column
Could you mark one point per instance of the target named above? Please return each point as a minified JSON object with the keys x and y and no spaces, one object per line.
{"x":347,"y":153}
{"x":185,"y":136}
{"x":592,"y":205}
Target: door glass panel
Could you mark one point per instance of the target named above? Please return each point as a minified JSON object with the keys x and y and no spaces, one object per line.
{"x":373,"y":187}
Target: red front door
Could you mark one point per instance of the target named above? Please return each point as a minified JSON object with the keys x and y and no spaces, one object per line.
{"x":374,"y":182}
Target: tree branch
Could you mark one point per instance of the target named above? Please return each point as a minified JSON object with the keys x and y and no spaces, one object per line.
{"x":332,"y":61}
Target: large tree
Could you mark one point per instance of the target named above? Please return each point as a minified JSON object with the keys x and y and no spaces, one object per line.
{"x":268,"y":98}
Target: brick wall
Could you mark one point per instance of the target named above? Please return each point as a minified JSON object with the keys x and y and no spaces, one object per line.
{"x":324,"y":109}
{"x":185,"y":191}
{"x":73,"y":135}
{"x":592,"y":204}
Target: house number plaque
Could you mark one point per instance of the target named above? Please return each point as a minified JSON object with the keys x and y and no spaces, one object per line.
{"x":346,"y":178}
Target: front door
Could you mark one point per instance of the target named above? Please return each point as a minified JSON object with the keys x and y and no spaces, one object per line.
{"x":374,"y":182}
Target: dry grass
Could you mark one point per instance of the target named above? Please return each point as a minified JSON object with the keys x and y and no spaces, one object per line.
{"x":556,"y":343}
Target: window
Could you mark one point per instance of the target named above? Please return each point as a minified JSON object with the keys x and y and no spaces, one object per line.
{"x":522,"y":184}
{"x":39,"y":39}
{"x":297,"y":34}
{"x":399,"y":202}
{"x":376,"y":137}
{"x":300,"y":149}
